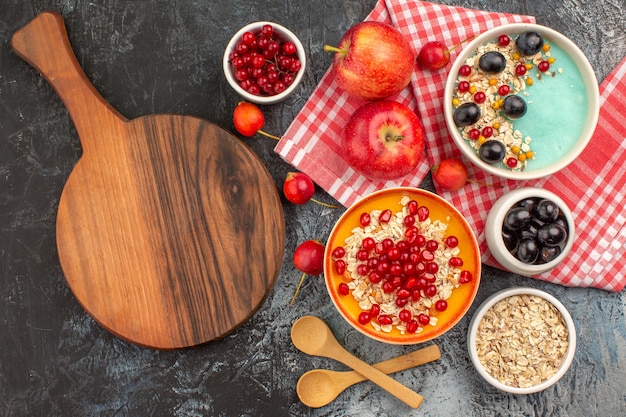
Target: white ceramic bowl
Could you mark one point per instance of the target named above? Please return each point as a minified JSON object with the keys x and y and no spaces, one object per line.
{"x":473,"y":337}
{"x":284,"y":34}
{"x":591,"y":87}
{"x":493,"y":231}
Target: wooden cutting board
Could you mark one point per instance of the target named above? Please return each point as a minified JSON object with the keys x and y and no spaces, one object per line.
{"x":170,"y":231}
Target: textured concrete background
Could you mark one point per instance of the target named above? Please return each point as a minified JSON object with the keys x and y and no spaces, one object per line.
{"x":157,"y":56}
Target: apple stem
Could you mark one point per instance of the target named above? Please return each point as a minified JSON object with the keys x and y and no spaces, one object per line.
{"x":394,"y":138}
{"x":295,"y":294}
{"x":321,"y":203}
{"x":328,"y":48}
{"x":268,"y":135}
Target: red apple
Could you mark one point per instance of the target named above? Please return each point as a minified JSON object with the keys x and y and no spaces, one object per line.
{"x":383,"y":140}
{"x":372,"y":61}
{"x":450,"y":174}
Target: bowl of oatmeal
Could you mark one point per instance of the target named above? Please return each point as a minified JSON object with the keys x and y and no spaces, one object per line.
{"x":521,"y":101}
{"x":402,"y":265}
{"x":522,"y":340}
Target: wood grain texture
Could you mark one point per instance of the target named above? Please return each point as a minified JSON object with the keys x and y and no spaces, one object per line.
{"x":170,"y":231}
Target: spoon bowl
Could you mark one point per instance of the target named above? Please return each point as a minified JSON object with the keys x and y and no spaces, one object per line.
{"x":312,"y":336}
{"x":319,"y":387}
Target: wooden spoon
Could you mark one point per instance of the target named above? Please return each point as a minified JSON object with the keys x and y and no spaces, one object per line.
{"x":170,"y":230}
{"x":312,"y":336}
{"x":318,"y":387}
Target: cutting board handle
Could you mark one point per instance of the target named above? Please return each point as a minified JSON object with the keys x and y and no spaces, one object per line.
{"x":44,"y":44}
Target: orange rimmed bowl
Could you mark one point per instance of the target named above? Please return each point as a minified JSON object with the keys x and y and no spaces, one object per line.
{"x":461,"y":297}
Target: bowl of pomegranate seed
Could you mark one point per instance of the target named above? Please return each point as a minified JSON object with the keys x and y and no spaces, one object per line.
{"x":402,"y":265}
{"x":264,"y":62}
{"x":521,"y":340}
{"x":521,"y":101}
{"x":529,"y":230}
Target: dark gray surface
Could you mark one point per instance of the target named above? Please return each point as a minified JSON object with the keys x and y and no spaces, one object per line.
{"x":155,"y":56}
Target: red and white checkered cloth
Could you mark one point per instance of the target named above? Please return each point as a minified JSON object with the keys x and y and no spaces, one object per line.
{"x":593,"y":186}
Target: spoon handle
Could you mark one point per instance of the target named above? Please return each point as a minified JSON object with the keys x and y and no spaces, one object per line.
{"x":397,"y":364}
{"x":384,"y":381}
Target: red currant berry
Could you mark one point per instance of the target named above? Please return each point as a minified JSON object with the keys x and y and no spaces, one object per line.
{"x":248,"y":38}
{"x":267,"y":30}
{"x":465,"y":70}
{"x":520,"y":69}
{"x":474,"y":134}
{"x":503,"y":40}
{"x":480,"y":97}
{"x":504,"y":89}
{"x":487,"y":131}
{"x":543,"y":66}
{"x":463,"y":86}
{"x":511,"y":162}
{"x":289,"y":48}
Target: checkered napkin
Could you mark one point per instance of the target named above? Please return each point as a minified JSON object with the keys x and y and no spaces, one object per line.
{"x":312,"y":142}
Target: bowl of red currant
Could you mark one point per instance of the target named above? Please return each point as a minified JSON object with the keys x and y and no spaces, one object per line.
{"x":529,"y":230}
{"x":264,"y":62}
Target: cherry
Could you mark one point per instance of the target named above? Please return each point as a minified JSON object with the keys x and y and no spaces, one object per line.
{"x":248,"y":120}
{"x":299,"y":189}
{"x":309,"y":259}
{"x":450,"y":174}
{"x":433,"y":55}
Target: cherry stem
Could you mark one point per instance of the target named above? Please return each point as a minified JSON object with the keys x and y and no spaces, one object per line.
{"x":295,"y":294}
{"x":321,"y":203}
{"x":461,"y":43}
{"x":328,"y":48}
{"x":482,"y":183}
{"x":268,"y":135}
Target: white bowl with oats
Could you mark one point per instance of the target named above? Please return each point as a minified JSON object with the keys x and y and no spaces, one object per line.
{"x":522,"y":340}
{"x":402,"y":265}
{"x":521,"y":101}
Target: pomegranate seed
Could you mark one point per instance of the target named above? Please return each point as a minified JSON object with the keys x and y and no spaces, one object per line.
{"x":411,"y":326}
{"x":465,"y":277}
{"x":401,"y":302}
{"x":432,"y":245}
{"x":409,"y":220}
{"x":455,"y":261}
{"x":362,"y":269}
{"x":420,"y":241}
{"x":375,"y":310}
{"x":430,"y":291}
{"x":340,"y":266}
{"x":364,"y":317}
{"x":385,"y":216}
{"x":339,"y":252}
{"x":362,"y":255}
{"x":365,"y":219}
{"x":423,"y":319}
{"x":343,"y":289}
{"x":421,"y":283}
{"x":393,"y":253}
{"x":423,"y":213}
{"x":385,"y":319}
{"x":427,"y":256}
{"x":430,"y":278}
{"x":420,"y":267}
{"x":396,"y":282}
{"x":368,"y":243}
{"x":375,"y":277}
{"x":416,"y":295}
{"x":387,"y":243}
{"x":441,"y":305}
{"x":402,"y":293}
{"x":432,"y":267}
{"x":402,"y":245}
{"x":452,"y":241}
{"x":396,"y":269}
{"x":412,"y":206}
{"x":388,"y":287}
{"x":411,"y":231}
{"x":408,"y":269}
{"x":405,"y":315}
{"x":410,"y":283}
{"x":372,"y":262}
